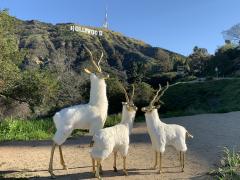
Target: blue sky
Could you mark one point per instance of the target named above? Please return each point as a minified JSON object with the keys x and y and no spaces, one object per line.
{"x":176,"y":25}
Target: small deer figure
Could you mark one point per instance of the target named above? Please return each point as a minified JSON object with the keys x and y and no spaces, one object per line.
{"x":163,"y":134}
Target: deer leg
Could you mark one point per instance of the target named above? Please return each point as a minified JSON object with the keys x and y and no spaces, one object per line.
{"x":50,"y":169}
{"x":93,"y":166}
{"x":180,"y":157}
{"x":155,"y":164}
{"x":124,"y":165}
{"x":183,"y":161}
{"x":61,"y":158}
{"x":115,"y":162}
{"x":97,"y":171}
{"x":100,"y":169}
{"x":160,"y":163}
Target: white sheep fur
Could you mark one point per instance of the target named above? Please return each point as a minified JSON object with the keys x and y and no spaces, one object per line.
{"x":162,"y":135}
{"x":113,"y":139}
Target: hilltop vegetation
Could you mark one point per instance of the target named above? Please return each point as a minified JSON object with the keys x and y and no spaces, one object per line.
{"x":19,"y":87}
{"x":42,"y":70}
{"x":218,"y":96}
{"x":53,"y":59}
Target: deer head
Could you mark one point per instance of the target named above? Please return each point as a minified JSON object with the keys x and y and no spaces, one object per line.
{"x":160,"y":92}
{"x":129,"y":101}
{"x":98,"y":70}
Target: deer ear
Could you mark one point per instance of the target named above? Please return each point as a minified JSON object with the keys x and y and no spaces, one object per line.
{"x":143,"y":109}
{"x":87,"y":71}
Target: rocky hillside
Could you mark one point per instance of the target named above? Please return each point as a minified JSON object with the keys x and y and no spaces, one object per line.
{"x":55,"y":58}
{"x":55,"y":45}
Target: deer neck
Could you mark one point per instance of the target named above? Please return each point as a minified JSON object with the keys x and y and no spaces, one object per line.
{"x":153,"y":117}
{"x":98,"y":94}
{"x":128,"y":118}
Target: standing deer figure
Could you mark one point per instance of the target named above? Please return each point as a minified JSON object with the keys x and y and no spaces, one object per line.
{"x":163,"y":134}
{"x":114,"y":139}
{"x":90,"y":116}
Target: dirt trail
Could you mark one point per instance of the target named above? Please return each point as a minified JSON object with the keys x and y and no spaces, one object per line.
{"x":211,"y":133}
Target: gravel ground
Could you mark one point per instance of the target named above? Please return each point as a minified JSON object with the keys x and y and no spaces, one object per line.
{"x":211,"y":132}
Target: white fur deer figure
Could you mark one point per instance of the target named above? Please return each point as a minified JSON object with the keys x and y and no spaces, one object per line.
{"x":90,"y":116}
{"x":114,"y":139}
{"x":163,"y":134}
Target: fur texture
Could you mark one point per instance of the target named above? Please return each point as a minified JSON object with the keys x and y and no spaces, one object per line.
{"x":163,"y":134}
{"x":115,"y":138}
{"x":90,"y":116}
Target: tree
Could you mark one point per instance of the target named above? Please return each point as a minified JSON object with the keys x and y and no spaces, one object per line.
{"x":34,"y":87}
{"x":198,"y":61}
{"x":232,"y":34}
{"x":136,"y":71}
{"x":10,"y":56}
{"x":225,"y":59}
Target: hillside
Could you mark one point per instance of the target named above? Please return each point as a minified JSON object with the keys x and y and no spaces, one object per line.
{"x":217,"y":96}
{"x":57,"y":52}
{"x":50,"y":74}
{"x":57,"y":45}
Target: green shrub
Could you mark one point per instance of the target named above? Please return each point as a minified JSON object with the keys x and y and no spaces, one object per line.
{"x":13,"y":129}
{"x":189,"y":78}
{"x":112,"y":120}
{"x":229,"y":166}
{"x":202,"y":97}
{"x":39,"y":129}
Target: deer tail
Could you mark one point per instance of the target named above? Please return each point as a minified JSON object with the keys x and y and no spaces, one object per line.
{"x":189,"y":135}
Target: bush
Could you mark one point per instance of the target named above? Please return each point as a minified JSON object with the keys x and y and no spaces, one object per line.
{"x":143,"y":94}
{"x":115,"y":96}
{"x":229,"y":166}
{"x":202,"y":97}
{"x":18,"y":129}
{"x":39,"y":129}
{"x":189,"y":78}
{"x":113,"y":120}
{"x":162,"y":78}
{"x":209,"y":78}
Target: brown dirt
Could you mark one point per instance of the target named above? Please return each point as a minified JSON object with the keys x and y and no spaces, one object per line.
{"x":211,"y":133}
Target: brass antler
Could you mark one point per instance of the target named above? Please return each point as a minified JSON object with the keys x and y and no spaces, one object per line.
{"x":99,"y":62}
{"x":154,"y":98}
{"x":125,"y":93}
{"x":94,"y":63}
{"x":133,"y":89}
{"x":162,"y":93}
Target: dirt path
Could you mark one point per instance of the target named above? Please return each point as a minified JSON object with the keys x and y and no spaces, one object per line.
{"x":211,"y":133}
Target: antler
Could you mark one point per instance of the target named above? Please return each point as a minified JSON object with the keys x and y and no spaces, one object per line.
{"x":133,"y":89}
{"x":162,"y":93}
{"x":125,"y":92}
{"x":154,"y":99}
{"x":99,"y":62}
{"x":94,"y":63}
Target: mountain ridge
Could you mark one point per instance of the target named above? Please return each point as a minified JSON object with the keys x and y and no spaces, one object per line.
{"x":36,"y":35}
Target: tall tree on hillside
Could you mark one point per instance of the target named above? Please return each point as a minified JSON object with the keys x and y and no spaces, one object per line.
{"x":232,"y":34}
{"x":225,"y":59}
{"x":136,"y":71}
{"x":33,"y":87}
{"x":198,"y":61}
{"x":10,"y":57}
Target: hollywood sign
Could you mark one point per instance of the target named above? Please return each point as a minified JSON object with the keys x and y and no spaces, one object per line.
{"x":86,"y":30}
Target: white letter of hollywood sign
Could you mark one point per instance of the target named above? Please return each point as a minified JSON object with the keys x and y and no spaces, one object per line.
{"x":86,"y":30}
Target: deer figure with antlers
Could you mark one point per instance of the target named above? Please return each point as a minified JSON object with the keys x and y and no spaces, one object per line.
{"x":163,"y":134}
{"x":90,"y":116}
{"x":114,"y":139}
